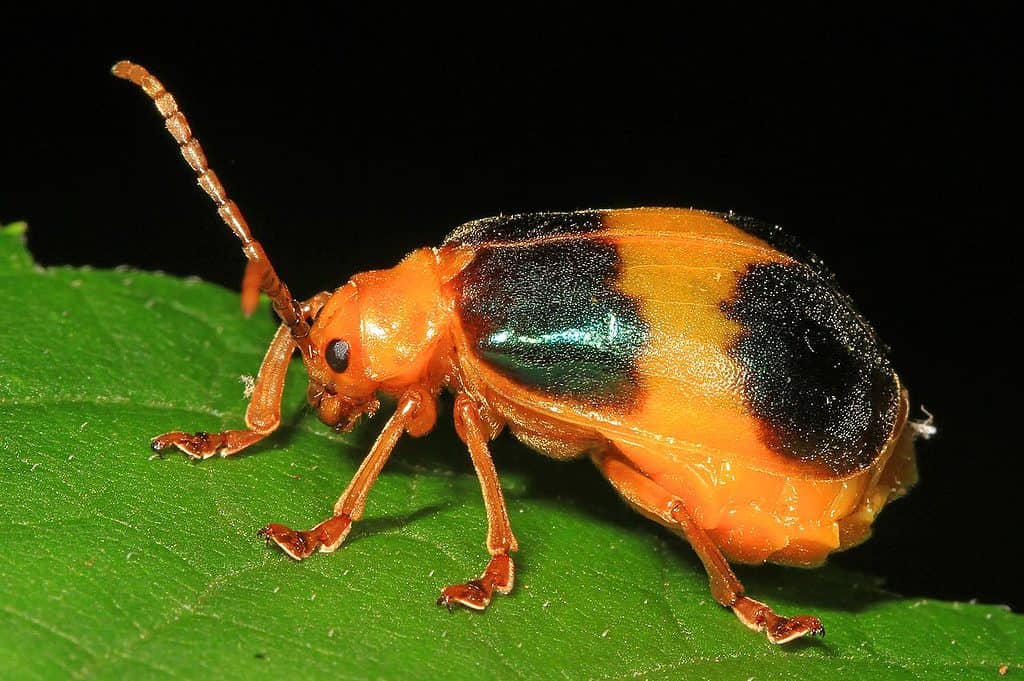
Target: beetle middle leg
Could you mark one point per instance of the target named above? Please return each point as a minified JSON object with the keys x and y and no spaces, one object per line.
{"x":662,"y":506}
{"x":500,"y":572}
{"x":415,"y":414}
{"x":263,"y":415}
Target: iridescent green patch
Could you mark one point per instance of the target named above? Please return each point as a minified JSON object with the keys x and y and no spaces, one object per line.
{"x":550,"y":316}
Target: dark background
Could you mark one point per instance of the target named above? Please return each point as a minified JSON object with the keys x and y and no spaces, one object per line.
{"x":885,"y":143}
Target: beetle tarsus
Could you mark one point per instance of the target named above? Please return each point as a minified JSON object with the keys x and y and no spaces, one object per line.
{"x":197,"y":446}
{"x":203,"y":445}
{"x":299,"y":544}
{"x":760,"y":617}
{"x":473,"y":595}
{"x":476,"y":594}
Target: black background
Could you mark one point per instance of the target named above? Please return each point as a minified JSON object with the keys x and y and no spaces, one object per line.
{"x":885,"y":143}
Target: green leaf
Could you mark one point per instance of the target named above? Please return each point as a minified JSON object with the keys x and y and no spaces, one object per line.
{"x":116,"y":565}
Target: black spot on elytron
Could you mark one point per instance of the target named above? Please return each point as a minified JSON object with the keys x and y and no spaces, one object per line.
{"x":509,"y":229}
{"x":780,"y":240}
{"x":550,"y":317}
{"x":817,"y":375}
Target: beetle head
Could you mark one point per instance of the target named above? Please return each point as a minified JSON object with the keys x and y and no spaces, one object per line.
{"x":339,"y":387}
{"x":378,"y":332}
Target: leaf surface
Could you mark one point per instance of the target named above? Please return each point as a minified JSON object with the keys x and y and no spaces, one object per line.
{"x":115,"y":565}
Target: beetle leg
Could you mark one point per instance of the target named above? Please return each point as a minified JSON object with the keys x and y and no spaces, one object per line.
{"x":263,"y":415}
{"x":500,"y":572}
{"x":660,"y":505}
{"x":251,"y":287}
{"x":328,"y":535}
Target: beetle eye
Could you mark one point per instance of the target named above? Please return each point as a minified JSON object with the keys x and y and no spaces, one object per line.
{"x":336,"y":354}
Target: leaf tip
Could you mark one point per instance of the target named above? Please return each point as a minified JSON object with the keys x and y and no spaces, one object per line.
{"x":15,"y":228}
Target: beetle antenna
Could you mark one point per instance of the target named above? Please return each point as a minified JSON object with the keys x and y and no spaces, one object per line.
{"x":286,"y":307}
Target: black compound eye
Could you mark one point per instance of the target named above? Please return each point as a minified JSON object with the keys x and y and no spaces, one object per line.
{"x":336,"y":354}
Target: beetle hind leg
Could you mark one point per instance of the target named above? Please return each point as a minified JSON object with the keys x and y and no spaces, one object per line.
{"x":660,"y":505}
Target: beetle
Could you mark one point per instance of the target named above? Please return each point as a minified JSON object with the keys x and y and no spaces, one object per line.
{"x":706,"y":363}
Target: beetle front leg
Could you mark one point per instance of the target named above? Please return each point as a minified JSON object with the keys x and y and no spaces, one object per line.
{"x":262,"y":417}
{"x":250,"y":297}
{"x":500,"y":572}
{"x":415,"y":414}
{"x":659,"y":504}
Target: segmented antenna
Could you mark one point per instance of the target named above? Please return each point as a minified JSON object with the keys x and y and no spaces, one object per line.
{"x":174,"y":120}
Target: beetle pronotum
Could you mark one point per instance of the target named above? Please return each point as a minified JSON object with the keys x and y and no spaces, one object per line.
{"x":707,"y":365}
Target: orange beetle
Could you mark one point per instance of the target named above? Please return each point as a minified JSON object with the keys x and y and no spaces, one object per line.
{"x":707,"y":365}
